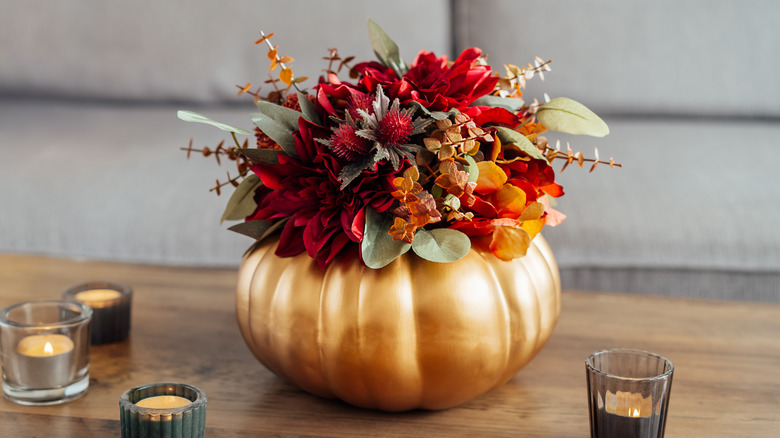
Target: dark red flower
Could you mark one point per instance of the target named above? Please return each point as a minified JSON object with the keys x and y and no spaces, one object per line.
{"x":439,"y":86}
{"x":433,"y":81}
{"x":323,"y":220}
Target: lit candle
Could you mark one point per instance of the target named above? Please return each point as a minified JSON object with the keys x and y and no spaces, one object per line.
{"x":45,"y":360}
{"x":628,"y":404}
{"x":110,"y":303}
{"x":163,"y":402}
{"x":97,"y":297}
{"x":624,"y":414}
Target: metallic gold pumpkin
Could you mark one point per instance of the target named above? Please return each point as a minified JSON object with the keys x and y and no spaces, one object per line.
{"x":415,"y":334}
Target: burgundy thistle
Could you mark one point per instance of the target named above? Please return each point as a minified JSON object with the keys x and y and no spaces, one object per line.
{"x":391,"y":129}
{"x":346,"y":143}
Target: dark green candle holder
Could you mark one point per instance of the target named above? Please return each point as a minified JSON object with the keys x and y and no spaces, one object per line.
{"x":183,"y":422}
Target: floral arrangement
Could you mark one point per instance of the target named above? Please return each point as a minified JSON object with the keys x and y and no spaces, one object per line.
{"x":433,"y":156}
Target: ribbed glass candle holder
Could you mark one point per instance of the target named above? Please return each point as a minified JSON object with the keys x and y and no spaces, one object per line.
{"x":162,"y":420}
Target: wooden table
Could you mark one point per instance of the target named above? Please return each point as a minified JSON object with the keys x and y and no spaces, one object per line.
{"x":726,"y":357}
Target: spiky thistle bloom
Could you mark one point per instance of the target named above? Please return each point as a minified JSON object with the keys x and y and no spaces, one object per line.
{"x":345,"y":143}
{"x":391,"y":128}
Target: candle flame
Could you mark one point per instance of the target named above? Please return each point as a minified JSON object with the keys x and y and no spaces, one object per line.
{"x":635,"y":412}
{"x":48,"y":349}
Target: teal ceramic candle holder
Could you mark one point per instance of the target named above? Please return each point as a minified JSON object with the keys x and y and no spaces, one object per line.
{"x":154,"y":411}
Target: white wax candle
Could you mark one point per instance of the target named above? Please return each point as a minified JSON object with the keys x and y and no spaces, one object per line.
{"x":44,"y":345}
{"x":163,"y":402}
{"x":627,"y":404}
{"x":97,"y":297}
{"x":44,"y":361}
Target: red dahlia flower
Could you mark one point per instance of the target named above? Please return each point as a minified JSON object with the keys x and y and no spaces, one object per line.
{"x":323,"y":219}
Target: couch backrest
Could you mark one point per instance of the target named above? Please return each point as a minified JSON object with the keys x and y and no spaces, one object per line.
{"x":191,"y":50}
{"x":696,"y":57}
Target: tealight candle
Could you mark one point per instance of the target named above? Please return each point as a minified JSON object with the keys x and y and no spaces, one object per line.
{"x":110,"y":303}
{"x":163,"y":402}
{"x":44,"y":360}
{"x":163,"y":410}
{"x":97,"y":297}
{"x":44,"y":349}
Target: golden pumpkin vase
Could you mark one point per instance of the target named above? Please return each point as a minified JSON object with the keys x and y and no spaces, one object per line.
{"x":414,"y":334}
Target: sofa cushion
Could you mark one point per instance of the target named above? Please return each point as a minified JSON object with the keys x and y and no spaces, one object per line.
{"x":191,"y":50}
{"x":109,"y":182}
{"x":692,"y":213}
{"x":699,"y":57}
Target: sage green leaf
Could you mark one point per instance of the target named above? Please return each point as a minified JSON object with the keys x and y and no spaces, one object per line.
{"x":261,"y":156}
{"x":435,"y":115}
{"x":254,"y":229}
{"x":308,"y":109}
{"x":242,"y":203}
{"x":472,"y":169}
{"x":442,"y":245}
{"x":385,"y":48}
{"x":189,"y":116}
{"x":569,"y":116}
{"x":278,"y":133}
{"x":508,"y":103}
{"x":286,"y":117}
{"x":274,"y":228}
{"x":378,"y":247}
{"x":508,"y":135}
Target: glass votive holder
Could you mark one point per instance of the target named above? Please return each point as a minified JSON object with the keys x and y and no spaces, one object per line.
{"x":44,"y":351}
{"x":110,"y":303}
{"x":628,"y":393}
{"x":163,"y":410}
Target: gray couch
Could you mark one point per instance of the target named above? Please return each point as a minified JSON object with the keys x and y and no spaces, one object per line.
{"x":90,"y":164}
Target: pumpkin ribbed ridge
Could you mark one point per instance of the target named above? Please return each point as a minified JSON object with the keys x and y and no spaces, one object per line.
{"x":415,"y":334}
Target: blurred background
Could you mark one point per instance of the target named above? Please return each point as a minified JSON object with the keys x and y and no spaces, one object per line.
{"x":91,"y":166}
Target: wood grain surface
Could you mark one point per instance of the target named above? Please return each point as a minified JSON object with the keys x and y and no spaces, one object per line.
{"x":726,"y":357}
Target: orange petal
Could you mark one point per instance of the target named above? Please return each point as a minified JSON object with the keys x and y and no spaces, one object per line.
{"x":535,"y":210}
{"x":533,"y":227}
{"x":491,"y":177}
{"x":509,"y":201}
{"x":509,"y":242}
{"x":554,"y":217}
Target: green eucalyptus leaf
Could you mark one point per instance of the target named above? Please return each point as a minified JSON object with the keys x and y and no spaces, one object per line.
{"x":569,"y":116}
{"x":273,"y":228}
{"x":435,"y":115}
{"x":508,"y":135}
{"x":472,"y":169}
{"x":308,"y":109}
{"x":442,"y":245}
{"x":189,"y":116}
{"x":286,"y":117}
{"x":378,"y":248}
{"x":508,"y":103}
{"x":261,"y":156}
{"x":254,"y":229}
{"x":278,"y":133}
{"x":437,"y":191}
{"x":242,"y":203}
{"x":385,"y":48}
